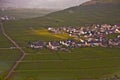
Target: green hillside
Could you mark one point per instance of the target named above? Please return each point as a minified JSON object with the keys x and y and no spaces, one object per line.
{"x":88,"y":13}
{"x":23,"y":13}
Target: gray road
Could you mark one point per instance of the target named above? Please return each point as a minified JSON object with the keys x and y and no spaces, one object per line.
{"x":17,"y":46}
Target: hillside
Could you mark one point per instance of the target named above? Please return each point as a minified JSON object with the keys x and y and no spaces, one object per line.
{"x":95,"y":11}
{"x":102,"y":2}
{"x":23,"y":13}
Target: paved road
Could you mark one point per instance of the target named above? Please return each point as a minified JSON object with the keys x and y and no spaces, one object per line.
{"x":17,"y":46}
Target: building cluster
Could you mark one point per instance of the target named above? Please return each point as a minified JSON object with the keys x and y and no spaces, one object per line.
{"x":7,"y":18}
{"x":95,"y":35}
{"x":54,"y":45}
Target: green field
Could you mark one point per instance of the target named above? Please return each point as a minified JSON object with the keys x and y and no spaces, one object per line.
{"x":81,"y":63}
{"x":22,"y":33}
{"x":7,"y":60}
{"x":4,"y":42}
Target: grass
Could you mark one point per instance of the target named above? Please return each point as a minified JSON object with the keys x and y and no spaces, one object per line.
{"x":23,"y":34}
{"x":90,"y":14}
{"x":4,"y":42}
{"x":46,"y":33}
{"x":7,"y":60}
{"x":81,"y":63}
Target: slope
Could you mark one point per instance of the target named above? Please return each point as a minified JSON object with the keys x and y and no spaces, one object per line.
{"x":91,"y":12}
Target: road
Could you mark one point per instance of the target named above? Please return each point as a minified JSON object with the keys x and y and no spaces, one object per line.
{"x":5,"y":48}
{"x":17,"y":46}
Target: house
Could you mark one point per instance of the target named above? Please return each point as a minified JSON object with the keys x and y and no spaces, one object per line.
{"x":54,"y":45}
{"x":83,"y":37}
{"x":80,"y":44}
{"x":94,"y":43}
{"x":38,"y":45}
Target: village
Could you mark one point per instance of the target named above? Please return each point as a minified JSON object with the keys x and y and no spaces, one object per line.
{"x":89,"y":36}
